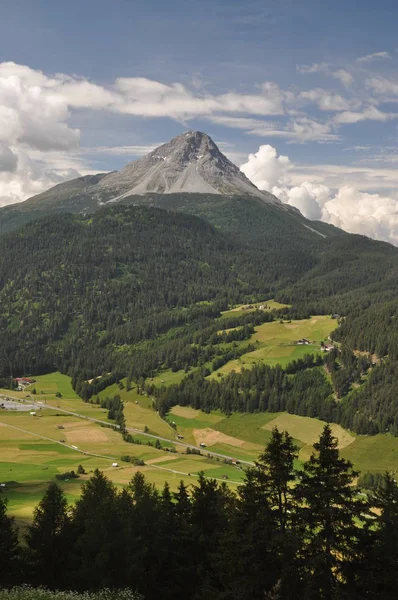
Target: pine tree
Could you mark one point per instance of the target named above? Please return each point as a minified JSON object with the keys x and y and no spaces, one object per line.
{"x":209,"y":518}
{"x":329,"y":519}
{"x":182,"y":504}
{"x":277,"y":467}
{"x":9,"y":550}
{"x":48,"y":537}
{"x":377,"y":574}
{"x":96,"y":527}
{"x":258,"y":548}
{"x":246,"y":561}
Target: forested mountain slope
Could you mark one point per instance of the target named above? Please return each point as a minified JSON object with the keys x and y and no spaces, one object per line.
{"x":136,"y":289}
{"x":68,"y":283}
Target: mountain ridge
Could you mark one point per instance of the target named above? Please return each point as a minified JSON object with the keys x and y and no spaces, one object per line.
{"x":188,"y":165}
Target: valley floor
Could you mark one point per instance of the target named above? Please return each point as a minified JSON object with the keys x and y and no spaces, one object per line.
{"x":36,"y":448}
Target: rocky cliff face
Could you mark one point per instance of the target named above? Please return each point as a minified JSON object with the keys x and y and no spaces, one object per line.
{"x":189,"y":163}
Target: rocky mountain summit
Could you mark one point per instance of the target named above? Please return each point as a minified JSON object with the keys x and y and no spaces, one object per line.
{"x":189,"y":163}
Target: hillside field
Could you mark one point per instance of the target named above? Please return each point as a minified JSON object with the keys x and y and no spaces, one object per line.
{"x":275,"y":342}
{"x":241,"y":309}
{"x":243,"y":436}
{"x":34,"y":449}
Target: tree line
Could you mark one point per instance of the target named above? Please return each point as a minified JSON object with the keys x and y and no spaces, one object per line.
{"x":285,"y":534}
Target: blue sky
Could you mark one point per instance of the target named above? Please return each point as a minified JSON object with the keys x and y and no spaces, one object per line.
{"x":88,"y":86}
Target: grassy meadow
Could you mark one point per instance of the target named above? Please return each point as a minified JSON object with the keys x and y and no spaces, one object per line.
{"x":243,"y":436}
{"x":244,"y":308}
{"x":275,"y":343}
{"x":34,"y":449}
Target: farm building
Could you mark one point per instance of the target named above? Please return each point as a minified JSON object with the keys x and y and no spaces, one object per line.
{"x":24,"y":380}
{"x":326,"y":347}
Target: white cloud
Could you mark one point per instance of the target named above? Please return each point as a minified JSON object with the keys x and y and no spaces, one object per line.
{"x":368,"y":214}
{"x":383,"y":86}
{"x":326,"y":69}
{"x":39,"y":147}
{"x":371,"y":113}
{"x":321,"y":67}
{"x":305,"y":129}
{"x":343,"y":76}
{"x":325,"y":100}
{"x":307,"y":197}
{"x":297,"y":130}
{"x":265,"y":169}
{"x":137,"y":150}
{"x":374,"y":56}
{"x":35,"y":110}
{"x":8,"y":159}
{"x":37,"y":171}
{"x":144,"y":97}
{"x":347,"y":207}
{"x":365,"y":178}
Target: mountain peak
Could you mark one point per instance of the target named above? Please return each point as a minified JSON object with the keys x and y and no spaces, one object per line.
{"x":189,"y":163}
{"x":189,"y":146}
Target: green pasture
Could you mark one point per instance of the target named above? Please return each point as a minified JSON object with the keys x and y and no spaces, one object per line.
{"x":139,"y":411}
{"x":167,"y":377}
{"x":28,"y":462}
{"x":275,"y":343}
{"x":52,"y":383}
{"x":243,"y":308}
{"x":377,"y":453}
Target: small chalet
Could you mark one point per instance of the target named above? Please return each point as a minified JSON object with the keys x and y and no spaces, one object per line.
{"x":326,"y":347}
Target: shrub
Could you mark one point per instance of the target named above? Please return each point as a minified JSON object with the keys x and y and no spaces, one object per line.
{"x":66,"y":475}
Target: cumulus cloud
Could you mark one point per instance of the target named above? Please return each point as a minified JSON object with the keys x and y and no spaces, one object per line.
{"x":266,"y":169}
{"x":33,"y":120}
{"x":373,"y":215}
{"x":355,"y":211}
{"x":36,"y":172}
{"x":35,"y":110}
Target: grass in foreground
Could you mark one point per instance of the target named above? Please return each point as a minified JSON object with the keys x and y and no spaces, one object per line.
{"x":29,"y":593}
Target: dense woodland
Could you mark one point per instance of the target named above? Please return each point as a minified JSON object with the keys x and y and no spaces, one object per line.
{"x":284,"y":535}
{"x":129,"y":291}
{"x":71,"y":287}
{"x":311,"y":387}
